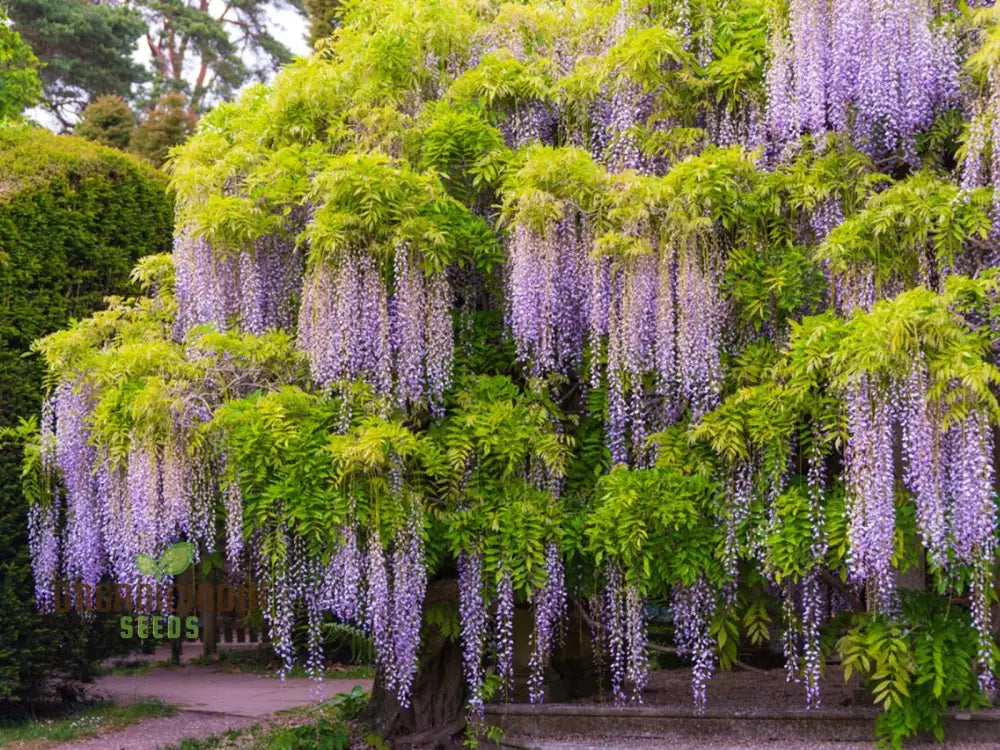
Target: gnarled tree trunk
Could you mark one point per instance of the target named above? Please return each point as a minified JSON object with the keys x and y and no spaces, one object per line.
{"x":436,"y":713}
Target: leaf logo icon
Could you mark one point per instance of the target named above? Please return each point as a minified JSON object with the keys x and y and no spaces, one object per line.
{"x":175,"y":560}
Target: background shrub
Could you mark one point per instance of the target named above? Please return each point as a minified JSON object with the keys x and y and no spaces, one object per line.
{"x":74,"y":217}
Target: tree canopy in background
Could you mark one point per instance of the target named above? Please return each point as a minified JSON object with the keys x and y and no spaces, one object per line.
{"x":89,"y":50}
{"x":322,"y":16}
{"x":208,"y":52}
{"x":20,"y":86}
{"x":166,"y":125}
{"x":577,"y":306}
{"x":108,"y":120}
{"x":85,"y":48}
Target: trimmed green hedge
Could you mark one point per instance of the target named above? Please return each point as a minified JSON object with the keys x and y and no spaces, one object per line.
{"x":74,"y":217}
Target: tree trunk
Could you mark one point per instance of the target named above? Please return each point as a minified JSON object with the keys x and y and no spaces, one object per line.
{"x":209,"y":620}
{"x":437,"y":707}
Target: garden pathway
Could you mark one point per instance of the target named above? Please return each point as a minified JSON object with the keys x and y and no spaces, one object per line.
{"x":210,"y":701}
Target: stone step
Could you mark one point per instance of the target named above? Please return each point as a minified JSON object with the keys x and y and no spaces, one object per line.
{"x":600,"y":727}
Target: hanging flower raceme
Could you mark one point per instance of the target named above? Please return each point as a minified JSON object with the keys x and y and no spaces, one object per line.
{"x":344,"y":576}
{"x":548,"y":295}
{"x":378,"y":606}
{"x":624,"y":625}
{"x":409,"y":585}
{"x":472,"y":611}
{"x":699,"y":332}
{"x":253,"y":289}
{"x":869,"y":476}
{"x":811,"y":597}
{"x":234,"y":523}
{"x":280,"y":596}
{"x":621,"y":109}
{"x":639,"y":342}
{"x":968,"y":481}
{"x":43,"y":547}
{"x":83,"y":544}
{"x":344,"y":323}
{"x":505,"y":629}
{"x":352,"y":329}
{"x":550,"y":609}
{"x":662,"y":315}
{"x":394,"y":597}
{"x":693,"y":608}
{"x":881,"y":69}
{"x":922,"y":452}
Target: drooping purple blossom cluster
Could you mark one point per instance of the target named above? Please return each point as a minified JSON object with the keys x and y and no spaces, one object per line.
{"x":505,"y":630}
{"x":279,"y":609}
{"x":472,"y":611}
{"x":234,"y":524}
{"x":352,"y":329}
{"x":158,"y":492}
{"x":344,"y":576}
{"x":253,"y":289}
{"x":879,"y":69}
{"x":660,"y":315}
{"x":692,"y":608}
{"x":968,"y":483}
{"x":409,"y":585}
{"x":548,"y":295}
{"x":84,"y":554}
{"x":948,"y":469}
{"x":378,"y":605}
{"x":550,"y":609}
{"x":292,"y":577}
{"x":623,"y":627}
{"x":528,"y":122}
{"x":812,"y":614}
{"x":699,"y":334}
{"x":868,"y":469}
{"x":972,"y":516}
{"x":386,"y":596}
{"x":811,"y":598}
{"x":43,"y":547}
{"x":622,"y":108}
{"x":922,"y":465}
{"x":739,"y":495}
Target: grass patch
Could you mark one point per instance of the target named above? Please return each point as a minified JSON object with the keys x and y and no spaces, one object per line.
{"x":336,"y":672}
{"x":133,"y":668}
{"x":262,"y":661}
{"x":82,"y":721}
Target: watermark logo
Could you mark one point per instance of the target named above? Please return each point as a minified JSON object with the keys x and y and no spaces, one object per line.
{"x":181,"y":605}
{"x":175,"y":560}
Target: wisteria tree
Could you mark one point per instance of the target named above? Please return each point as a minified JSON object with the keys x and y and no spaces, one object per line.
{"x":568,"y":308}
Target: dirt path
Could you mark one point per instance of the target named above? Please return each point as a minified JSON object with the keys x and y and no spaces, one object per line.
{"x":151,"y":734}
{"x":210,"y":701}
